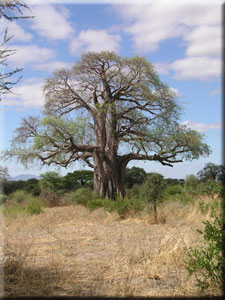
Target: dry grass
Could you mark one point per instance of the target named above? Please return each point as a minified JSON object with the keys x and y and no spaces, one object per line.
{"x":72,"y":251}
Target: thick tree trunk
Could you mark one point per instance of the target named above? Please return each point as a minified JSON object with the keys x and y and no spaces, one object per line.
{"x":109,"y":177}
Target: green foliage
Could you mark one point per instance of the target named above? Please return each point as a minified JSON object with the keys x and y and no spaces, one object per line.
{"x":96,"y":203}
{"x":208,"y":262}
{"x":80,"y":196}
{"x":19,"y":196}
{"x":134,"y":176}
{"x":191,"y":184}
{"x":212,"y":172}
{"x":172,"y":181}
{"x":212,"y":207}
{"x":50,"y":181}
{"x":123,"y":206}
{"x":30,"y":205}
{"x":153,"y":187}
{"x":210,"y":188}
{"x":3,"y":198}
{"x":171,"y":190}
{"x":134,"y":191}
{"x":34,"y":208}
{"x":12,"y":186}
{"x":77,"y":179}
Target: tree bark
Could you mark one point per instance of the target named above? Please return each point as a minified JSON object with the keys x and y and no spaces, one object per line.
{"x":109,"y":175}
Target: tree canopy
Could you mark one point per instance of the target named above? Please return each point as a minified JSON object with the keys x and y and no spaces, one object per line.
{"x":212,"y":172}
{"x":106,"y":111}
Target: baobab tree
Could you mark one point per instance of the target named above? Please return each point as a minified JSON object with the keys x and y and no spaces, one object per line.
{"x":107,"y":111}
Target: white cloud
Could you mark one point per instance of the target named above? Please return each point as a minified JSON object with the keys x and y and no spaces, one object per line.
{"x":26,"y":95}
{"x":198,"y":26}
{"x":16,"y":31}
{"x":201,"y":127}
{"x":95,"y":40}
{"x":51,"y":66}
{"x":51,"y":23}
{"x":201,"y":68}
{"x":30,"y":54}
{"x":176,"y":92}
{"x":214,"y":92}
{"x":162,"y":68}
{"x":204,"y":40}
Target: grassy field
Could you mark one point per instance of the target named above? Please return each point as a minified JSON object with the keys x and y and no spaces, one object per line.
{"x":73,"y":251}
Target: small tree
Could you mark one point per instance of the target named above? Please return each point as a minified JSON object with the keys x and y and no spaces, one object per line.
{"x":50,"y":181}
{"x":78,"y":179}
{"x":134,"y":176}
{"x":191,"y":184}
{"x":153,"y":188}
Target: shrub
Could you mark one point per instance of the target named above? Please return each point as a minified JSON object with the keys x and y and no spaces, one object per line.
{"x":171,"y":190}
{"x":34,"y":208}
{"x":124,"y":206}
{"x":210,"y":188}
{"x":19,"y":196}
{"x":134,"y":191}
{"x":95,"y":203}
{"x":3,"y":199}
{"x":208,"y":263}
{"x":152,"y":190}
{"x":80,"y":196}
{"x":191,"y":184}
{"x":211,"y":206}
{"x":51,"y":198}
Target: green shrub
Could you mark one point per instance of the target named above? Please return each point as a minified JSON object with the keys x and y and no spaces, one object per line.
{"x":3,"y":199}
{"x":19,"y":196}
{"x":124,"y":206}
{"x":191,"y":184}
{"x":134,"y":191}
{"x":34,"y":208}
{"x":211,"y":207}
{"x":95,"y":203}
{"x":210,"y":188}
{"x":171,"y":190}
{"x":178,"y":194}
{"x":208,"y":262}
{"x":14,"y":210}
{"x":80,"y":196}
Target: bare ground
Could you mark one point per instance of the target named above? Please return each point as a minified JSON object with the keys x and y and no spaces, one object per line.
{"x":74,"y":252}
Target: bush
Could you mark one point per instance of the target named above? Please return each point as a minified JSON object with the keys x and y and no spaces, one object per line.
{"x":210,"y":188}
{"x":51,"y":198}
{"x":125,"y":207}
{"x":80,"y":196}
{"x":3,"y":199}
{"x":191,"y":184}
{"x":211,"y":206}
{"x":208,"y":263}
{"x":34,"y":208}
{"x":134,"y":191}
{"x":96,"y":203}
{"x":19,"y":196}
{"x":171,"y":190}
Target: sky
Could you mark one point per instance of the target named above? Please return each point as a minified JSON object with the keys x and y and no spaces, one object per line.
{"x":182,"y":39}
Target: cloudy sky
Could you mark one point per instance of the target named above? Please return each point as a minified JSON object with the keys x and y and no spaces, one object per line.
{"x":181,"y":38}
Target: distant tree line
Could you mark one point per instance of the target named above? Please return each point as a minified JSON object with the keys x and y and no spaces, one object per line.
{"x":135,"y":176}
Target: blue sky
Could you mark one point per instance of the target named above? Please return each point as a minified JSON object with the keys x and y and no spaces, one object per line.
{"x":181,"y":38}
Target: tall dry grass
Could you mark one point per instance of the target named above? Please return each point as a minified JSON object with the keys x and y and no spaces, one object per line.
{"x":72,"y":251}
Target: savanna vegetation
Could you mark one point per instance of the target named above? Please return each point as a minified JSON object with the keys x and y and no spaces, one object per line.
{"x":167,"y":235}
